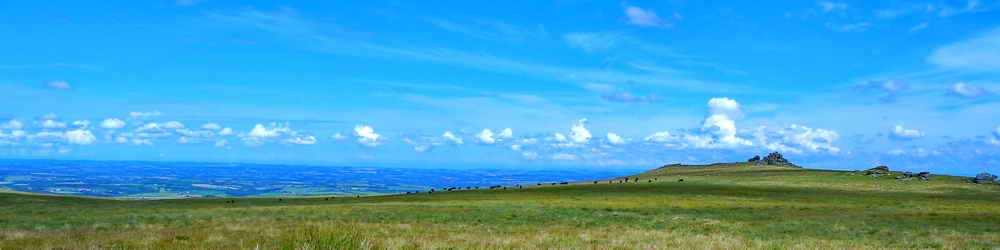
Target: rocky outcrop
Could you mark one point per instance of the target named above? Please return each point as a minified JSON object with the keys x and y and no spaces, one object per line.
{"x":877,"y":171}
{"x":907,"y":175}
{"x":771,"y":159}
{"x":985,"y":178}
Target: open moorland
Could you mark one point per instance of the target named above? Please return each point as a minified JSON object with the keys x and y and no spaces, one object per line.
{"x":715,"y":206}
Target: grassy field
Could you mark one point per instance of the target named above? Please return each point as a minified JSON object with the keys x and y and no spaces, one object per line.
{"x":716,"y":206}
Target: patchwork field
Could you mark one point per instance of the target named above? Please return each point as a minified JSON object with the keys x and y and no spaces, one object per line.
{"x":715,"y":206}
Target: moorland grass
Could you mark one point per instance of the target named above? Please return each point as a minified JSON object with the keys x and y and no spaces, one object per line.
{"x":716,"y":206}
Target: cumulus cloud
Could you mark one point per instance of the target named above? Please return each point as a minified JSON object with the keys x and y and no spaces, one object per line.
{"x":615,"y":139}
{"x":306,"y":140}
{"x":12,"y":124}
{"x":564,"y":157}
{"x":173,"y":125}
{"x":275,"y":130}
{"x":226,"y":131}
{"x":112,"y":123}
{"x":80,"y":136}
{"x":964,"y":90}
{"x":718,"y":130}
{"x":211,"y":126}
{"x":82,"y":123}
{"x":452,"y":138}
{"x":60,"y":85}
{"x":366,"y":135}
{"x":506,"y":133}
{"x":579,"y":132}
{"x":51,"y":124}
{"x":900,"y":133}
{"x":797,"y":139}
{"x":645,"y":18}
{"x":725,"y":106}
{"x":486,"y":136}
{"x":338,"y":136}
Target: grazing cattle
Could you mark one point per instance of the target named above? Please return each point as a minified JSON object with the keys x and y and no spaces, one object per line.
{"x":595,"y":182}
{"x":650,"y":181}
{"x":357,"y":196}
{"x":539,"y":184}
{"x":626,"y":179}
{"x":279,"y":200}
{"x":563,"y":183}
{"x":681,"y":180}
{"x":504,"y":188}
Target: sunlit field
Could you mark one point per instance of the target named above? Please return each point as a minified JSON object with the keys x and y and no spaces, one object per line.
{"x":717,"y":206}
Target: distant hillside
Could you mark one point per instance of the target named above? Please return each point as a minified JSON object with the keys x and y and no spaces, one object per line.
{"x":718,"y":206}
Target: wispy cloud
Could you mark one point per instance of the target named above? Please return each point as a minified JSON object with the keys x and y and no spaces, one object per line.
{"x":979,"y":53}
{"x":490,"y":30}
{"x":647,"y":18}
{"x":288,"y":24}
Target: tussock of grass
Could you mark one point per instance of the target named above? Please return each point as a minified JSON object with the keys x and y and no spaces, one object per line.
{"x":717,"y":206}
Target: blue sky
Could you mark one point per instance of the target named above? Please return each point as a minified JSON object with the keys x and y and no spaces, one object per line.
{"x":584,"y":84}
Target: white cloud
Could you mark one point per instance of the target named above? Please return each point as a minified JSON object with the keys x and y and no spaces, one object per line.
{"x":226,"y":131}
{"x":173,"y":125}
{"x":725,"y":106}
{"x":859,"y":26}
{"x":149,"y":126}
{"x":82,"y":123}
{"x":121,"y":139}
{"x":967,"y":91}
{"x":506,"y":133}
{"x":516,"y":147}
{"x":51,"y":124}
{"x":339,"y":136}
{"x":564,"y":157}
{"x":221,"y":143}
{"x":977,"y":54}
{"x":307,"y":140}
{"x":61,"y":85}
{"x":486,"y":136}
{"x":896,"y":152}
{"x":579,"y":133}
{"x":112,"y":123}
{"x":615,"y":139}
{"x":142,"y":142}
{"x":797,"y":139}
{"x":645,"y":18}
{"x":662,"y":136}
{"x":900,"y":133}
{"x":12,"y":124}
{"x":144,"y":115}
{"x":452,"y":138}
{"x":828,"y":6}
{"x":529,"y":155}
{"x":559,"y":137}
{"x":80,"y":136}
{"x":422,"y":148}
{"x":275,"y":130}
{"x":211,"y":126}
{"x":918,"y":27}
{"x":366,"y":135}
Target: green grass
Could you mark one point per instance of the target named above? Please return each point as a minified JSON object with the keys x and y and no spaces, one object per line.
{"x":716,"y":206}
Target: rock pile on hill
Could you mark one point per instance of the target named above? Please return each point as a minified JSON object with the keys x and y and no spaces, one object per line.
{"x":774,"y":158}
{"x":877,"y":171}
{"x":985,"y":178}
{"x":922,"y":175}
{"x":884,"y":171}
